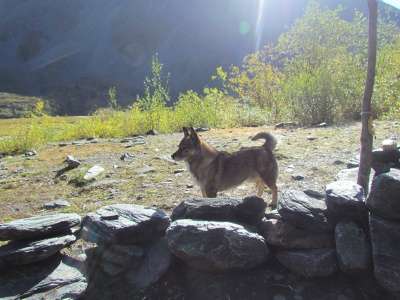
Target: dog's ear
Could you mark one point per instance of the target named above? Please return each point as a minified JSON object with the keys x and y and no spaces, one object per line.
{"x":194,"y":136}
{"x":185,"y":131}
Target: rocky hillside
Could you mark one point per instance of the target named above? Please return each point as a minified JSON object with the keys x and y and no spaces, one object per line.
{"x":74,"y":51}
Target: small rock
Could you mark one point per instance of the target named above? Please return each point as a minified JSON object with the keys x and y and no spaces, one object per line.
{"x":384,"y":197}
{"x":321,"y":125}
{"x":39,"y":227}
{"x":285,"y":125}
{"x":338,"y":162}
{"x":201,"y":129}
{"x":352,"y":248}
{"x":273,"y":215}
{"x":30,"y":153}
{"x":309,"y":263}
{"x":297,"y":177}
{"x":352,"y":164}
{"x":177,"y":171}
{"x":282,"y":234}
{"x":63,"y":144}
{"x":135,"y":142}
{"x":72,"y":162}
{"x":311,"y":138}
{"x":22,"y":252}
{"x":383,"y":161}
{"x":59,"y":203}
{"x":216,"y":246}
{"x":93,"y":173}
{"x":167,"y":159}
{"x":152,"y":132}
{"x":189,"y":186}
{"x":302,"y":211}
{"x":126,"y":156}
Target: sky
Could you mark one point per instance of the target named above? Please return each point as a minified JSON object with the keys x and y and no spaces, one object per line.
{"x":394,"y":3}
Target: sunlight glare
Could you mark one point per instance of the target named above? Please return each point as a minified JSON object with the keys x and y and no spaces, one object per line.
{"x":259,"y":24}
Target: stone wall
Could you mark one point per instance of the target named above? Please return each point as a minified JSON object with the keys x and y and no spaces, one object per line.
{"x":345,"y":246}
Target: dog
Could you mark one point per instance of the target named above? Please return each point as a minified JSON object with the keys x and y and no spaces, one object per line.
{"x":216,"y":171}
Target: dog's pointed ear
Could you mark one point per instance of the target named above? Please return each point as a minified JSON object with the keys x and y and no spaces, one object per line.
{"x":185,"y":131}
{"x":194,"y":136}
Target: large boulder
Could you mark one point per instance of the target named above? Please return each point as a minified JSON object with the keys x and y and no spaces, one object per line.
{"x":249,"y":210}
{"x":51,"y":279}
{"x":309,"y":263}
{"x":351,"y":174}
{"x":385,"y":239}
{"x":384,"y":197}
{"x":115,"y":259}
{"x":216,"y":246}
{"x":281,"y":234}
{"x":25,"y":252}
{"x":124,"y":224}
{"x":39,"y":227}
{"x":303,"y":211}
{"x":352,"y":248}
{"x":345,"y":201}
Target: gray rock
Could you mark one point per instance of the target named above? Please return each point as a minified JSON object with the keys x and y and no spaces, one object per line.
{"x":309,"y":263}
{"x":131,"y":224}
{"x":216,"y":246}
{"x":321,"y":125}
{"x":30,"y":153}
{"x":273,"y":215}
{"x":352,"y":248}
{"x":178,"y":171}
{"x":145,"y":170}
{"x":383,"y":161}
{"x":385,"y":239}
{"x":93,"y":173}
{"x":25,"y":252}
{"x":201,"y":129}
{"x":51,"y":279}
{"x":126,"y":157}
{"x":303,"y":211}
{"x":59,"y":203}
{"x":345,"y":200}
{"x":389,"y":145}
{"x":152,"y":132}
{"x":39,"y":227}
{"x":314,"y":194}
{"x":72,"y":162}
{"x":249,"y":210}
{"x":352,"y":164}
{"x":285,"y":125}
{"x":281,"y":234}
{"x":156,"y":262}
{"x":384,"y":198}
{"x":116,"y":259}
{"x":298,"y":177}
{"x":135,"y":142}
{"x":167,"y":159}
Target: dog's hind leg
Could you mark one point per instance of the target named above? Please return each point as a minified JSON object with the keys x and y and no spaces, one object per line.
{"x":260,"y":185}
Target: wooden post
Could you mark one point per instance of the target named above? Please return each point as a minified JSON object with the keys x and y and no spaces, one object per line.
{"x":366,"y":114}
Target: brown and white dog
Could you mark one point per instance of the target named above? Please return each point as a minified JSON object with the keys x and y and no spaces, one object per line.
{"x":216,"y":171}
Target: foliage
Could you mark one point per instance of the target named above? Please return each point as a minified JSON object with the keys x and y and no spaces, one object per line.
{"x":112,"y":98}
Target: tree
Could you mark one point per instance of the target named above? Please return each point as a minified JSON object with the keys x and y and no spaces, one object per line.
{"x":366,"y":114}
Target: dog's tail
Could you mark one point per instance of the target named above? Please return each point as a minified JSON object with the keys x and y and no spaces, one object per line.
{"x":270,"y":140}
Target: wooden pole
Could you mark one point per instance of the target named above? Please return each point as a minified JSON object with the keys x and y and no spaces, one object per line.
{"x":366,"y":114}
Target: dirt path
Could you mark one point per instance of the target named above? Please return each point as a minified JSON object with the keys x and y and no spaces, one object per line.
{"x":26,"y":183}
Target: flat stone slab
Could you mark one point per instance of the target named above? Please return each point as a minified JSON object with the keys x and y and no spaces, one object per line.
{"x":216,"y":246}
{"x":50,"y":279}
{"x":281,"y":234}
{"x":385,"y":239}
{"x":25,"y":252}
{"x":249,"y":210}
{"x":384,"y":198}
{"x":352,"y":248}
{"x":39,"y":227}
{"x":345,"y":201}
{"x":124,"y":224}
{"x":93,"y":173}
{"x":303,"y":211}
{"x":309,"y":263}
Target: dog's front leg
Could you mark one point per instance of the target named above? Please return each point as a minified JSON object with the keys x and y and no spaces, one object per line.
{"x":211,"y":191}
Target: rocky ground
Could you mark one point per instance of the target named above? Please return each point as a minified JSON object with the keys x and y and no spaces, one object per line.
{"x":139,"y":170}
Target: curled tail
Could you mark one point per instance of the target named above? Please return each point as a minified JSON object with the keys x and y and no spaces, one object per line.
{"x":270,"y":140}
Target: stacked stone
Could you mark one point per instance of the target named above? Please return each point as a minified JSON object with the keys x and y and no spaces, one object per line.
{"x":218,"y":235}
{"x":384,"y":224}
{"x":302,"y":235}
{"x":130,"y":247}
{"x":33,"y":249}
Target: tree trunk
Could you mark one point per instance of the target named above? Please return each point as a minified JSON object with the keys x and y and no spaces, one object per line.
{"x":366,"y":114}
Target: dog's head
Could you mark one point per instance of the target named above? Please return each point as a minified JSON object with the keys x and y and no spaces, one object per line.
{"x":189,"y":145}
